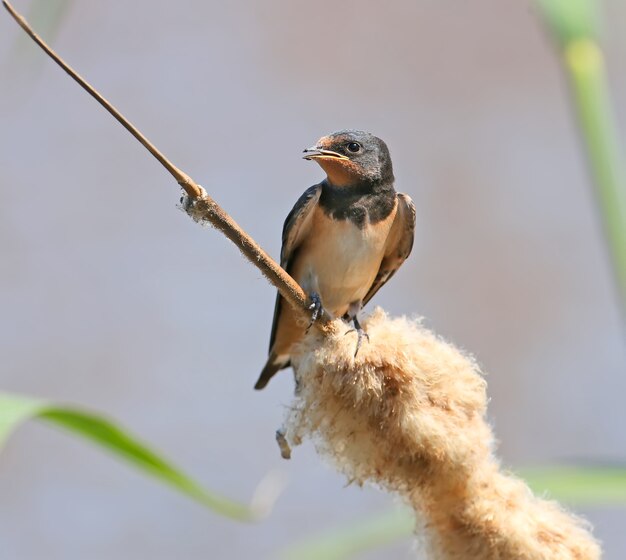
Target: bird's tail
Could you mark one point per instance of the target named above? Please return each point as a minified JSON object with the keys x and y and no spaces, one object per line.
{"x":274,"y":364}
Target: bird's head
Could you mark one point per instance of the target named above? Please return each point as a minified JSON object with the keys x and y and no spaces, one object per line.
{"x":352,"y":157}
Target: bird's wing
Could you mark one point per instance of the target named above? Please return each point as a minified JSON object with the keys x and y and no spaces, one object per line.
{"x":297,"y":225}
{"x":399,"y":244}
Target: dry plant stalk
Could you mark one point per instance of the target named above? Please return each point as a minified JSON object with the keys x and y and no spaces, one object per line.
{"x":408,"y":414}
{"x":199,"y":204}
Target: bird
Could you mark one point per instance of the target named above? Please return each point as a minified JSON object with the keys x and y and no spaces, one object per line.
{"x":343,"y":240}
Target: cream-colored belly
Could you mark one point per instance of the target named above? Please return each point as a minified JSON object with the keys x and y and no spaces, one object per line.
{"x":339,"y":261}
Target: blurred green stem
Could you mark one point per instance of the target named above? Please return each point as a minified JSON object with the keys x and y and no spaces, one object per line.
{"x":585,"y":65}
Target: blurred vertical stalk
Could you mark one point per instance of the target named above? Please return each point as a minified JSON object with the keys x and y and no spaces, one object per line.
{"x":47,"y":17}
{"x":585,"y":65}
{"x":574,"y":25}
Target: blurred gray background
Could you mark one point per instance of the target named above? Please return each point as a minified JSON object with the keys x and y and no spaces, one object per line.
{"x":113,"y":299}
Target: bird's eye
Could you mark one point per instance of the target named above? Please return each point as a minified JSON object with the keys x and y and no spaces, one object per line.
{"x":353,"y":147}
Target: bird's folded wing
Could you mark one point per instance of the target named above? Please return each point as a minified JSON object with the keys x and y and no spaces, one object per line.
{"x":296,"y":227}
{"x":398,"y":246}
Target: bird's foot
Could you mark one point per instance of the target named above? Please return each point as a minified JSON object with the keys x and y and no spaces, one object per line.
{"x":360,"y":334}
{"x":316,"y":308}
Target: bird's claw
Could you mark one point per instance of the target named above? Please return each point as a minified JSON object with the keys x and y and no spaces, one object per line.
{"x":360,"y":334}
{"x":316,"y":309}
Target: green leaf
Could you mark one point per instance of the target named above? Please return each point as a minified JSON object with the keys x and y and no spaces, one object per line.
{"x":584,"y":63}
{"x":47,"y":17}
{"x":575,"y":26}
{"x":570,"y":20}
{"x":358,"y":537}
{"x":580,"y":486}
{"x":15,"y":410}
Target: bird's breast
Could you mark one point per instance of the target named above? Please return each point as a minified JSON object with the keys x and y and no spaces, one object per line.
{"x":340,"y":259}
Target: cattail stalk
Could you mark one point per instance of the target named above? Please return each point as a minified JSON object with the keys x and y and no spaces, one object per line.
{"x":408,"y":415}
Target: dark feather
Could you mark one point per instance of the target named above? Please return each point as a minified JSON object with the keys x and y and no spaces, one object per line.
{"x":270,"y":369}
{"x":295,"y":228}
{"x":399,"y":245}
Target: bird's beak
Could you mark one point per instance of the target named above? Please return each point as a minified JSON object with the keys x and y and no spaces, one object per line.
{"x":318,"y":153}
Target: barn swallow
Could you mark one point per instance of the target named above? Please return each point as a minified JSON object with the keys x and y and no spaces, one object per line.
{"x":343,"y":239}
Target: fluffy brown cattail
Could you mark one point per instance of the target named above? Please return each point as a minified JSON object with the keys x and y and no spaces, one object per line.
{"x":408,"y":414}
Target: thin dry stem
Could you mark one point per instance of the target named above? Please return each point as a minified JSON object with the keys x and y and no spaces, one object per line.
{"x":204,"y":207}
